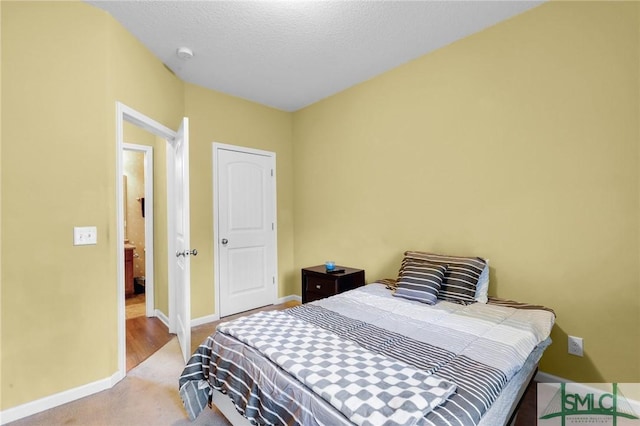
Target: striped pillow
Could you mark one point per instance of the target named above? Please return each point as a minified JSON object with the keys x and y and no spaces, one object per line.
{"x":460,"y":278}
{"x":420,"y":281}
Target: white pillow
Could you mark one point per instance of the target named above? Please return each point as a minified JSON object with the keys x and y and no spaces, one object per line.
{"x":482,"y":288}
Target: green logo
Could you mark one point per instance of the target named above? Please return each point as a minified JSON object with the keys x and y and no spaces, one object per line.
{"x":586,"y":404}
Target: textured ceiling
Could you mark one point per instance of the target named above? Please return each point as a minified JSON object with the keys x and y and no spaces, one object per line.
{"x":290,"y":54}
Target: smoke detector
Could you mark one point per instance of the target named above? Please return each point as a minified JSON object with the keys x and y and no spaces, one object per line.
{"x":184,"y":53}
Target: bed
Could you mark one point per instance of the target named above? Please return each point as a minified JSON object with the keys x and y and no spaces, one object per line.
{"x":393,"y":353}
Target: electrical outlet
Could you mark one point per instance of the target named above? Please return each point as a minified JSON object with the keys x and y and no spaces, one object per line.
{"x":575,"y":346}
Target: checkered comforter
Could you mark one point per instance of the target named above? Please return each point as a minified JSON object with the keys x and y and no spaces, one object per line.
{"x":477,"y":347}
{"x":368,"y":388}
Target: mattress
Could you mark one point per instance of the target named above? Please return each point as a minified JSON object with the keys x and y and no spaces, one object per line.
{"x":487,"y":352}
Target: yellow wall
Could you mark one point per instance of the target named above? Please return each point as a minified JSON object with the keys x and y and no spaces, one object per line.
{"x":1,"y":296}
{"x":519,"y":144}
{"x":58,"y":171}
{"x":58,"y":301}
{"x":216,"y":117}
{"x":0,"y":211}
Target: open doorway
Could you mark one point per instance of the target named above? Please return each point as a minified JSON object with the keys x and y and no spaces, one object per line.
{"x":138,"y":202}
{"x":145,"y":333}
{"x":169,"y":305}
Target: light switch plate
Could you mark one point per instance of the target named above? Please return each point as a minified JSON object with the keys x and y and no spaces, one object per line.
{"x":85,"y":235}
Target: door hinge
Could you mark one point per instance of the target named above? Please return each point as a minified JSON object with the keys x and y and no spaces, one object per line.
{"x":274,"y":279}
{"x":271,"y":172}
{"x":273,"y":226}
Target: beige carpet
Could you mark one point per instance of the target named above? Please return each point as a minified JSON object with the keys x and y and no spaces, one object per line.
{"x":147,"y":396}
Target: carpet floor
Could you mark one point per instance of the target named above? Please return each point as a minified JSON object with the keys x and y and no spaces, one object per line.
{"x":147,"y":396}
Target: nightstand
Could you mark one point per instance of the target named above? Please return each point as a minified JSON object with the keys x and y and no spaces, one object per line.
{"x":317,"y":283}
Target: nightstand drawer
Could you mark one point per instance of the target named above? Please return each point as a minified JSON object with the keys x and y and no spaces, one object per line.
{"x":310,"y":296}
{"x":321,"y":285}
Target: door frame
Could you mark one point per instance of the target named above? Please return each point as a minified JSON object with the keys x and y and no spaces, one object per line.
{"x":148,"y":224}
{"x":216,"y":203}
{"x":128,"y":114}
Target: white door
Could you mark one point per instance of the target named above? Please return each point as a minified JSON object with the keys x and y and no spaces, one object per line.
{"x":246,"y":237}
{"x":182,"y":254}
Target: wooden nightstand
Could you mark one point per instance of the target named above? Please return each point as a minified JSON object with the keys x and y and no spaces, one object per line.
{"x":318,"y":284}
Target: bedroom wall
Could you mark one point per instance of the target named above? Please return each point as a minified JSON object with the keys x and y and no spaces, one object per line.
{"x":59,"y":302}
{"x":58,"y":171}
{"x":216,"y":117}
{"x":519,"y":144}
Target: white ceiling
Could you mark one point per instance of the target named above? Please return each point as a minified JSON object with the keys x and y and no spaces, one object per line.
{"x":290,"y":54}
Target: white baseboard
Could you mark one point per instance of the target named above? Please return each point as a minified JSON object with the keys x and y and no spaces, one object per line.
{"x":215,"y":317}
{"x":162,"y":317}
{"x":204,"y":320}
{"x":48,"y":402}
{"x":52,"y":401}
{"x":290,"y":298}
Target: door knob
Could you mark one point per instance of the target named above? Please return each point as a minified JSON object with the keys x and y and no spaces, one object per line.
{"x":186,"y":253}
{"x":224,"y":241}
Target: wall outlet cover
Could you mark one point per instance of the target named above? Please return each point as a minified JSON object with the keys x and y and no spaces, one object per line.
{"x":575,"y":346}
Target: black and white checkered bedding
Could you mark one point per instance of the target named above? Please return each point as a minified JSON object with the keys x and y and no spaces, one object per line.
{"x":477,"y":347}
{"x":368,"y":388}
